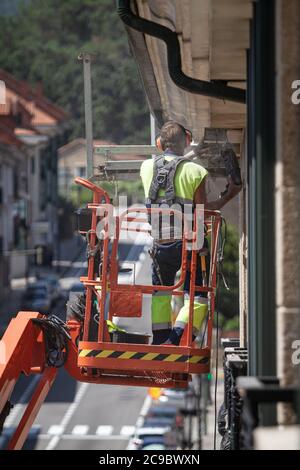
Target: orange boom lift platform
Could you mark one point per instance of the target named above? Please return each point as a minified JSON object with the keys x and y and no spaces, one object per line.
{"x":35,"y":344}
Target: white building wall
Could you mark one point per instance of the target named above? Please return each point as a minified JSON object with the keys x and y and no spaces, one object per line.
{"x":38,"y":228}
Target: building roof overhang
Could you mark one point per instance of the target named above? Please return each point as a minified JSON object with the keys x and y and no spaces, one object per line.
{"x":214,"y":38}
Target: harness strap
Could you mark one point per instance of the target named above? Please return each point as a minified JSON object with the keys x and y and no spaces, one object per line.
{"x":163,"y":178}
{"x":164,"y":172}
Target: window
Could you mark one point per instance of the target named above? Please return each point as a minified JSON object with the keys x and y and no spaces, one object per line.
{"x":80,"y":171}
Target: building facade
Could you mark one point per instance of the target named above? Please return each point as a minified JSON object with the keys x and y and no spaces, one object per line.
{"x":31,"y":131}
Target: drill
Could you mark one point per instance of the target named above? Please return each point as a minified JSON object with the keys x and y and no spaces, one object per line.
{"x":232,"y":168}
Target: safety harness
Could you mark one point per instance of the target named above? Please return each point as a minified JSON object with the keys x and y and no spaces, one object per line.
{"x":164,"y":172}
{"x":163,"y":178}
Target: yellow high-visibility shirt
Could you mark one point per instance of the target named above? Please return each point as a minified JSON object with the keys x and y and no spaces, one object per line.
{"x":188,"y":177}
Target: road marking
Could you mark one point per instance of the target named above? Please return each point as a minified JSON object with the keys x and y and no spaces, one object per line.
{"x":127,"y":431}
{"x":140,"y":421}
{"x":55,"y":430}
{"x":70,"y":264}
{"x":80,"y":264}
{"x":80,"y":429}
{"x":104,"y":430}
{"x":69,"y":414}
{"x":146,"y":405}
{"x":87,"y":437}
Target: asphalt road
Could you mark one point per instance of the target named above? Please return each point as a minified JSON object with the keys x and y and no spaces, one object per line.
{"x":88,"y":416}
{"x":104,"y":418}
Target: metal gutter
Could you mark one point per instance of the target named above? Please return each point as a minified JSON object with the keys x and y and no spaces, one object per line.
{"x":189,"y":84}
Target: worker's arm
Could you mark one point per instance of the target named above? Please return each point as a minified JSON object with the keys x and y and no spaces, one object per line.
{"x":200,"y":196}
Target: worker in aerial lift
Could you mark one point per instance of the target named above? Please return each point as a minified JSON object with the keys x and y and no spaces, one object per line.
{"x":172,"y":179}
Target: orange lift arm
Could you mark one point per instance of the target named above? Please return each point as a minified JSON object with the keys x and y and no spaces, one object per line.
{"x":34,"y":344}
{"x":23,"y":352}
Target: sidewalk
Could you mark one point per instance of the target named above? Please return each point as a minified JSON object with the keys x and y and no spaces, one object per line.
{"x":208,"y":438}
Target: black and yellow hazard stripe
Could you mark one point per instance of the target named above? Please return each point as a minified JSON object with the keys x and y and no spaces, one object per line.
{"x":143,"y":356}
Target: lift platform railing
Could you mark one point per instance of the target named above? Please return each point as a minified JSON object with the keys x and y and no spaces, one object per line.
{"x":24,"y":347}
{"x":122,"y":358}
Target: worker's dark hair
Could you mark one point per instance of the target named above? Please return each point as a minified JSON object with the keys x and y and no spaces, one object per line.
{"x":173,"y":136}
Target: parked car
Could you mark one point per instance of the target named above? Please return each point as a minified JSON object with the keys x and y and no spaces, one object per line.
{"x":159,"y":439}
{"x":29,"y":444}
{"x":163,"y":411}
{"x":173,"y":394}
{"x":159,"y":421}
{"x":152,"y":443}
{"x":146,"y":432}
{"x":154,"y":446}
{"x":77,"y":287}
{"x":53,"y":287}
{"x":37,"y":298}
{"x":166,"y":412}
{"x":40,"y":284}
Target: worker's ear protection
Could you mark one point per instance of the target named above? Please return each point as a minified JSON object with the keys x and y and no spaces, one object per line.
{"x":189,"y":137}
{"x":158,"y":143}
{"x":188,"y":134}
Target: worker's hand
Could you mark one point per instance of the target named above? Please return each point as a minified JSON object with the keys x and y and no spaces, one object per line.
{"x":233,"y":189}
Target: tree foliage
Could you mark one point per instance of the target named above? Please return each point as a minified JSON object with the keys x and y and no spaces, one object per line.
{"x":42,"y":44}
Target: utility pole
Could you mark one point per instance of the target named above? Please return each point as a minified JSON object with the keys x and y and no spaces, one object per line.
{"x":152,"y":129}
{"x":87,"y":59}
